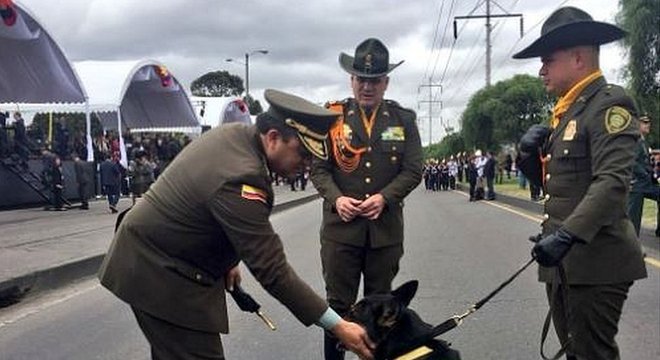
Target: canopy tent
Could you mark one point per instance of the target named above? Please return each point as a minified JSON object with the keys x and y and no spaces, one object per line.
{"x":214,"y":111}
{"x":139,"y":95}
{"x":33,"y":68}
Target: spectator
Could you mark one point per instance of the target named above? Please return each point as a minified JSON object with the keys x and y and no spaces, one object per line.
{"x":82,"y":179}
{"x":111,"y":181}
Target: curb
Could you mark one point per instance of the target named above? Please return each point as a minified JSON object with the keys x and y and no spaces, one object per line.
{"x":14,"y":290}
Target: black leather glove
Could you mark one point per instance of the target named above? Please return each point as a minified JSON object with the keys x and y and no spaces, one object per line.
{"x":534,"y":138}
{"x":550,"y":250}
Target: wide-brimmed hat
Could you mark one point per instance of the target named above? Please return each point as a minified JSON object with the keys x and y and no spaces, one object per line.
{"x":371,"y":60}
{"x":568,"y":27}
{"x":311,"y":121}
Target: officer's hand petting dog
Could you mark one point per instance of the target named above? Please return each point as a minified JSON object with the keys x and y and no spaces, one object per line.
{"x":354,"y":337}
{"x":551,"y":249}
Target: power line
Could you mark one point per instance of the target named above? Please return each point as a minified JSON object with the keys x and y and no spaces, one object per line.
{"x":435,"y":37}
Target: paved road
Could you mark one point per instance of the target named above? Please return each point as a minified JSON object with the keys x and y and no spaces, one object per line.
{"x":458,"y":250}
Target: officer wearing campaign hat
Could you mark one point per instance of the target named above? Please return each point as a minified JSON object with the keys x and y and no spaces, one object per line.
{"x":374,"y":162}
{"x":583,"y":161}
{"x":174,"y":253}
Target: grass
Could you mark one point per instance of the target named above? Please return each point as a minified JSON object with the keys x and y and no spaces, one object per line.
{"x":510,"y":187}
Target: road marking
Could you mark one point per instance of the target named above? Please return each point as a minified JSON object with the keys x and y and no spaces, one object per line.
{"x":537,"y":219}
{"x":649,"y":260}
{"x":31,"y":309}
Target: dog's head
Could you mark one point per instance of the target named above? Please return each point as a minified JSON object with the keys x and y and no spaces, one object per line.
{"x":393,"y":326}
{"x":381,"y":313}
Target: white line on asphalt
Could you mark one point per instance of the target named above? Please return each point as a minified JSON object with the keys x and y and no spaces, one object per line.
{"x":649,"y":260}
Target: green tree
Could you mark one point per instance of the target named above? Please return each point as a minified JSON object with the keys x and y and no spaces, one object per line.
{"x":641,"y":20}
{"x":217,"y":83}
{"x":500,"y":114}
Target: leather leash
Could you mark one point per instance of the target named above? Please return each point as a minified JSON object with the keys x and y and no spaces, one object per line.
{"x":457,"y":320}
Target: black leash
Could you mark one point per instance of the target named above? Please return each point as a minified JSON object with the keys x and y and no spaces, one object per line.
{"x":554,"y":294}
{"x":456,"y":320}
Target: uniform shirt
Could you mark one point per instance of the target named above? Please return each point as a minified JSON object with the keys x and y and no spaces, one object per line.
{"x":391,"y":165}
{"x":589,"y":157}
{"x":209,"y":209}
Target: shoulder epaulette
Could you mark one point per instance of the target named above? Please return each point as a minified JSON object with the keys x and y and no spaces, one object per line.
{"x":401,"y":109}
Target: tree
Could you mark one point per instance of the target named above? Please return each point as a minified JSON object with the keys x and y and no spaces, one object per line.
{"x":641,"y":20}
{"x":500,"y":114}
{"x":217,"y":83}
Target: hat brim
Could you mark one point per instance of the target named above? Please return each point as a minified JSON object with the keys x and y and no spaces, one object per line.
{"x":570,"y":35}
{"x":346,"y":61}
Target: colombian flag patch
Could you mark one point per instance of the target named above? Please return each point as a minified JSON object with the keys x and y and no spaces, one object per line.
{"x":252,"y":193}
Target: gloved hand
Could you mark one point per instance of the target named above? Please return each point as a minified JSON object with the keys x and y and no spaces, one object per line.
{"x":534,"y":138}
{"x":551,"y":249}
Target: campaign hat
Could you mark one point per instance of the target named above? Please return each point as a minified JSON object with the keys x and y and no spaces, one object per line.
{"x":569,"y":27}
{"x":371,"y":60}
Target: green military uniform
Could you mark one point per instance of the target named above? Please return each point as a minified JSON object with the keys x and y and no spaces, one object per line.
{"x":587,"y":172}
{"x":207,"y":211}
{"x":385,"y":159}
{"x":642,"y":184}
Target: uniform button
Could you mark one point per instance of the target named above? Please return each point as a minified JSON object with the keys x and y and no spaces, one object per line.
{"x":546,"y":216}
{"x":367,"y":164}
{"x":547,"y":196}
{"x":366,"y":196}
{"x":565,"y":151}
{"x":367,"y":180}
{"x":548,"y":157}
{"x":368,"y":148}
{"x":547,"y":177}
{"x":394,"y":158}
{"x":393,"y":148}
{"x":198,"y":277}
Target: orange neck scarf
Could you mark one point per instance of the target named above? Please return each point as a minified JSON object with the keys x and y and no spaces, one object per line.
{"x":568,"y":99}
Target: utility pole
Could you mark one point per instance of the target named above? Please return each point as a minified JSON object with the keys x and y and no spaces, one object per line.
{"x":430,"y":101}
{"x":489,"y":29}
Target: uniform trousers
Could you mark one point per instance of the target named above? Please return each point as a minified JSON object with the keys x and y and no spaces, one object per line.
{"x":172,"y":342}
{"x":343,"y":266}
{"x":636,"y":204}
{"x":595,"y":311}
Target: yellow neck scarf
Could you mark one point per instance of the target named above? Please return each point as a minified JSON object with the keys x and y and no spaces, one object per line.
{"x":568,"y":99}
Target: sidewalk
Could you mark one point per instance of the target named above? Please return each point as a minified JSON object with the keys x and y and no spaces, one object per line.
{"x":42,"y":250}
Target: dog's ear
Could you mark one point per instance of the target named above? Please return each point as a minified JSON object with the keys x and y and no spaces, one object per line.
{"x":406,"y":292}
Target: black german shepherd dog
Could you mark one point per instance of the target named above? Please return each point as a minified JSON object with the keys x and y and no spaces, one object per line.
{"x":395,"y":328}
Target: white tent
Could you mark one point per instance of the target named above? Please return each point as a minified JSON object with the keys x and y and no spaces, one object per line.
{"x":33,"y":69}
{"x":214,"y":111}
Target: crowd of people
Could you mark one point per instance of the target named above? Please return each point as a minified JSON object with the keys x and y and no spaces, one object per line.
{"x":147,"y":156}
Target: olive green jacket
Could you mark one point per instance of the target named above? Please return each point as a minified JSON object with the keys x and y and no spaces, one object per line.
{"x":587,"y":181}
{"x":208,"y":210}
{"x":391,"y":166}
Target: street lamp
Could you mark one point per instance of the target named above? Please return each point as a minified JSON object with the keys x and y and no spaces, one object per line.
{"x":247,"y":67}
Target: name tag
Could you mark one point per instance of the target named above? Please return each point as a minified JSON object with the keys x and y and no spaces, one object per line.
{"x":570,"y":131}
{"x":394,"y":133}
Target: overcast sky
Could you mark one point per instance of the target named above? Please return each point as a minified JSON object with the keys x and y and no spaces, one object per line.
{"x":304,"y":39}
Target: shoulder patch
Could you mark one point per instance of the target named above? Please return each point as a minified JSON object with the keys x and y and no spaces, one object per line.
{"x":617,"y":119}
{"x":253,"y":193}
